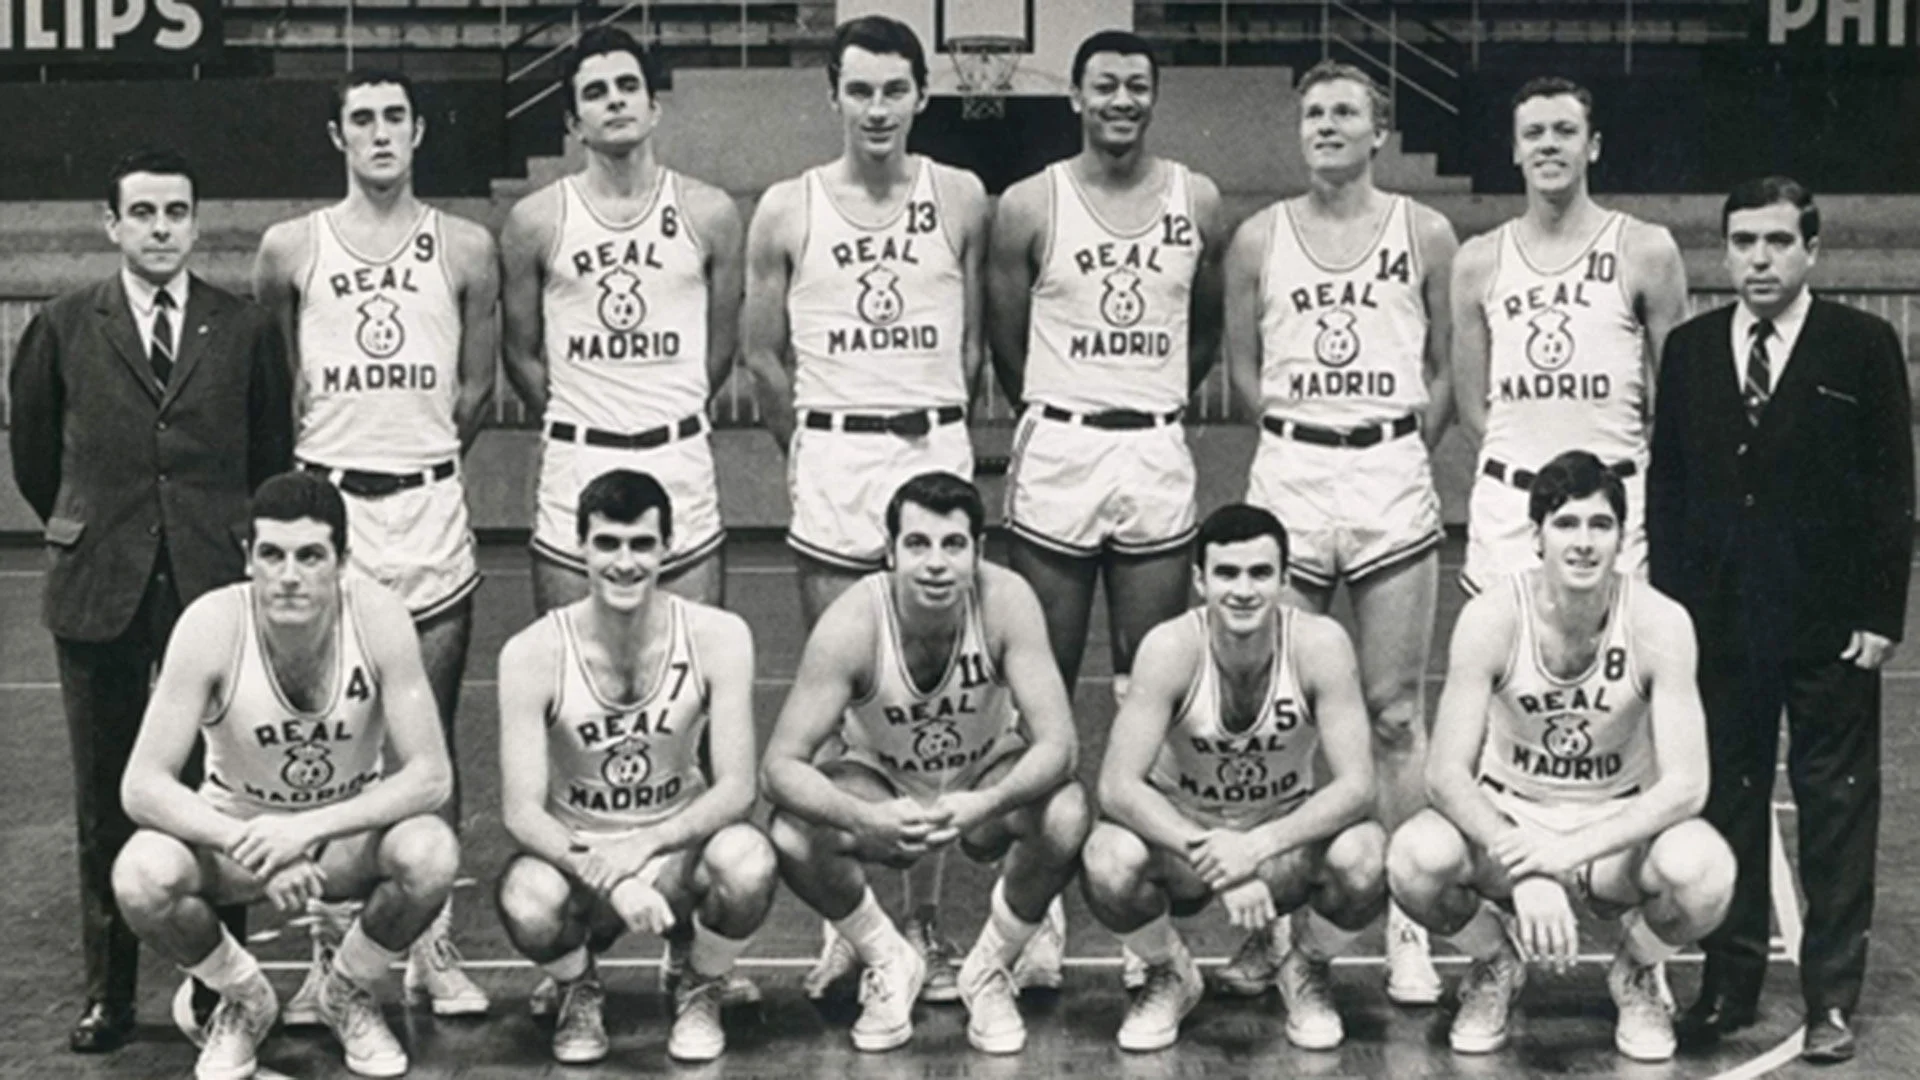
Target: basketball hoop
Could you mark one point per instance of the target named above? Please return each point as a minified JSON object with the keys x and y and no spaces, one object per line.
{"x":985,"y":64}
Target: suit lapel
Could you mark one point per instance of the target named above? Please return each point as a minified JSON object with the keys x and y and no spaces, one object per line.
{"x":1794,"y":382}
{"x":116,"y":323}
{"x":203,"y":323}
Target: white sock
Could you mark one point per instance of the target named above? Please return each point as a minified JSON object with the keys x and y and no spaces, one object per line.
{"x":1155,"y":942}
{"x":1121,"y":684}
{"x":361,"y":959}
{"x":1005,"y":932}
{"x":1482,"y":936}
{"x":713,"y":954}
{"x":569,"y":968}
{"x":227,"y":966}
{"x":1642,"y":944}
{"x":332,"y":918}
{"x":1399,"y":922}
{"x":1317,"y":938}
{"x":868,"y":929}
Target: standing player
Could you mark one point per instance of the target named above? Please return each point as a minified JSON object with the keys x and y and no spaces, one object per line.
{"x":604,"y":704}
{"x":1337,"y":334}
{"x":1569,"y":757}
{"x":862,"y":332}
{"x":1558,"y":320}
{"x":324,"y":763}
{"x":621,"y":300}
{"x":389,"y":306}
{"x":1209,"y":788}
{"x":924,"y":664}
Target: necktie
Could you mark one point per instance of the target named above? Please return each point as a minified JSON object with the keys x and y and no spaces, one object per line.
{"x":1759,"y":373}
{"x":161,"y":355}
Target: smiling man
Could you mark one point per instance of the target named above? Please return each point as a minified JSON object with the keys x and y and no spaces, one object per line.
{"x":389,"y":305}
{"x":1558,"y":320}
{"x":1569,"y":762}
{"x":919,"y":670}
{"x":324,"y":764}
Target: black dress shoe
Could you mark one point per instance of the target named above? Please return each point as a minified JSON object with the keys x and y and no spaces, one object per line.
{"x":102,"y":1028}
{"x":1715,"y":1013}
{"x":1829,"y":1039}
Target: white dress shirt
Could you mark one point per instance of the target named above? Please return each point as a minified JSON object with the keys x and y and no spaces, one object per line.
{"x":142,"y":296}
{"x":1786,"y":331}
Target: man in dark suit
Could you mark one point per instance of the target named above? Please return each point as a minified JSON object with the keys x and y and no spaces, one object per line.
{"x":1780,"y":512}
{"x":145,"y":409}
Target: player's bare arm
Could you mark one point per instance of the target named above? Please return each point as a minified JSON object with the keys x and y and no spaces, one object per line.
{"x":1204,"y":309}
{"x":476,"y":267}
{"x":532,"y":226}
{"x":1437,"y":245}
{"x":192,"y":686}
{"x":1013,"y":263}
{"x":1246,"y":257}
{"x":1657,"y":278}
{"x":285,"y":251}
{"x":964,"y":199}
{"x":1472,"y":348}
{"x":774,"y":241}
{"x":1162,"y":671}
{"x":1482,"y":640}
{"x":527,"y":663}
{"x":716,"y":221}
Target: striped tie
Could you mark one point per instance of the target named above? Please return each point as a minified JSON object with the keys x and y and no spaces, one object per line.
{"x":161,"y":356}
{"x":1759,"y":373}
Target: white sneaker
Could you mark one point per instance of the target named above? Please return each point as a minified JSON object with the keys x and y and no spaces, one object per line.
{"x":434,"y":974}
{"x":1486,"y":999}
{"x":580,"y":1027}
{"x":186,"y":1017}
{"x":545,"y":999}
{"x":1411,"y":979}
{"x":737,"y":990}
{"x":1255,"y":964}
{"x":697,"y":1034}
{"x":942,"y":984}
{"x":1039,"y":963}
{"x":327,"y":924}
{"x":1312,"y":1021}
{"x":837,"y":961}
{"x":1133,"y":970}
{"x":1172,"y":990}
{"x":994,"y":1023}
{"x":243,"y":1018}
{"x":353,"y":1014}
{"x":1644,"y":1031}
{"x":888,"y":990}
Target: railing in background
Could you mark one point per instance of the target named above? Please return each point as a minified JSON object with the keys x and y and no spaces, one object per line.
{"x":1439,"y":82}
{"x":734,"y":405}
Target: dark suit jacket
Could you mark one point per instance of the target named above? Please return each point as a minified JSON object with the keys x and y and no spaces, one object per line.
{"x":1783,"y":539}
{"x":112,"y":465}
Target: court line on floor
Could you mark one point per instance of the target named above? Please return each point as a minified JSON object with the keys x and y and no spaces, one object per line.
{"x":1786,"y":909}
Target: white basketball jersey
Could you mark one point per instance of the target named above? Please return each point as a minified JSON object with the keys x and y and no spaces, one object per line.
{"x":876,"y":313}
{"x":936,"y":734}
{"x":265,"y":755}
{"x":1108,"y":323}
{"x":612,"y":765}
{"x":1580,"y":739}
{"x":379,"y":352}
{"x":1567,"y":368}
{"x":1343,"y":346}
{"x":1258,"y":769}
{"x":625,"y":313}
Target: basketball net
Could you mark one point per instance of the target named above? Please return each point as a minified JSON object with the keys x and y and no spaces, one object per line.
{"x":985,"y":65}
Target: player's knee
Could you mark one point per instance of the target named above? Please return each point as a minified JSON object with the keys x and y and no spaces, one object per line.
{"x":422,"y":856}
{"x":1693,"y":860}
{"x":1399,"y":722}
{"x":1068,"y":817}
{"x":1113,"y":861}
{"x":152,"y":871}
{"x":794,"y":840}
{"x":1357,"y":860}
{"x":1425,"y":851}
{"x":532,"y":894}
{"x":740,"y":861}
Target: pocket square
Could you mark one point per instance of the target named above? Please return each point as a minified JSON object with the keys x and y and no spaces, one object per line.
{"x":1837,"y":395}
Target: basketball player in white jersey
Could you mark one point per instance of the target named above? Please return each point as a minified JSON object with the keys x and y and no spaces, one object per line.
{"x":604,"y":704}
{"x":388,"y":305}
{"x":1558,"y":320}
{"x":324,"y":764}
{"x":1209,"y":788}
{"x":862,"y":330}
{"x":919,"y":669}
{"x":1569,"y":760}
{"x":621,"y":296}
{"x":1337,"y":329}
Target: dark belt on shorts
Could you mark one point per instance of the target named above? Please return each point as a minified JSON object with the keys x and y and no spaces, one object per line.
{"x":639,"y":440}
{"x":373,"y":485}
{"x":1505,"y":790}
{"x":1358,"y":438}
{"x":912,"y":423}
{"x":1113,"y":419}
{"x":1523,"y":478}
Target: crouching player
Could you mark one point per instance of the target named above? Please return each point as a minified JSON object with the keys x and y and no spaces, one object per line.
{"x":1209,"y":788}
{"x":1569,"y":759}
{"x":324,"y":764}
{"x":927,"y":660}
{"x":603,"y":707}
